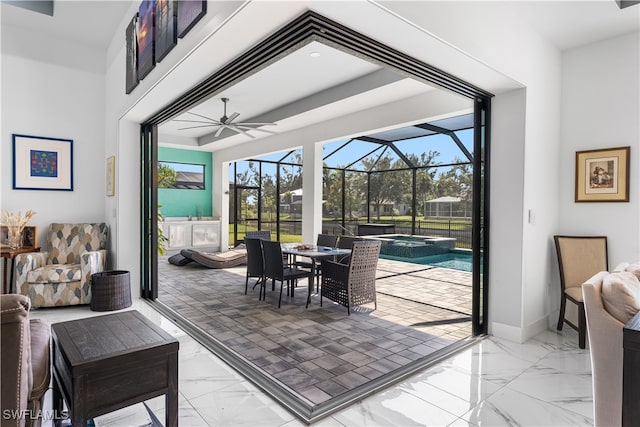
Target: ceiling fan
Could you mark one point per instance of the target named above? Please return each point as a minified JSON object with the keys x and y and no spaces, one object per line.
{"x":226,"y":123}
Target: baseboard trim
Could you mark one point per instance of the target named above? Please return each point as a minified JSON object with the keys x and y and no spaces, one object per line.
{"x":516,"y":333}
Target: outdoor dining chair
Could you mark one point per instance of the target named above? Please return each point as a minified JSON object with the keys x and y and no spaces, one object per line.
{"x":275,"y":269}
{"x":255,"y":264}
{"x":352,"y":284}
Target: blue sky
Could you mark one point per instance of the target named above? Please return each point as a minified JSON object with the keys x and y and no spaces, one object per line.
{"x":443,"y":144}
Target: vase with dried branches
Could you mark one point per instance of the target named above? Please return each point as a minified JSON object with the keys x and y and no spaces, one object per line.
{"x":15,"y":224}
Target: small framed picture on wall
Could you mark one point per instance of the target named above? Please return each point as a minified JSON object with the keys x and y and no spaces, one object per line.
{"x":132,"y":55}
{"x":602,"y":175}
{"x":111,"y":176}
{"x":42,"y":163}
{"x":146,"y":29}
{"x":166,"y":36}
{"x":189,"y":13}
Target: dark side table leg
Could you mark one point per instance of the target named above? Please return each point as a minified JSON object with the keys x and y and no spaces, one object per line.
{"x":171,"y":404}
{"x":57,"y":403}
{"x":78,"y":413}
{"x":10,"y":284}
{"x":6,"y":285}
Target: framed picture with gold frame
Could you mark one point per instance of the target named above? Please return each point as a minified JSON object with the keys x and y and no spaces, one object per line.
{"x":602,"y":175}
{"x":111,"y":176}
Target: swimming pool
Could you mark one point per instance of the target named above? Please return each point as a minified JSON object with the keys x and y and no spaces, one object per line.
{"x":455,"y":259}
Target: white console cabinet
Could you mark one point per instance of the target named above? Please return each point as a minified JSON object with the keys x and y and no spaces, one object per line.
{"x":192,"y":234}
{"x":176,"y":235}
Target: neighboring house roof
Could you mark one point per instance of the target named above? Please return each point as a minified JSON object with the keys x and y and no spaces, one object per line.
{"x":189,"y":180}
{"x":297,"y":192}
{"x":445,"y":199}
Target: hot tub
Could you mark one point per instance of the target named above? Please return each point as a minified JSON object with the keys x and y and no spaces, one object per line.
{"x":413,"y":246}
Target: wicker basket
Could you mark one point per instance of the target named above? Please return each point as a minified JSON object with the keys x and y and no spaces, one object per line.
{"x":110,"y":290}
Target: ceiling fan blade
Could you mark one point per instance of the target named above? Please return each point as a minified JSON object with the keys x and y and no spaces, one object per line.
{"x":215,"y":122}
{"x":237,"y":129}
{"x":232,"y":117}
{"x":204,"y":117}
{"x":219,"y":131}
{"x":195,"y":127}
{"x":260,"y":129}
{"x":255,"y":124}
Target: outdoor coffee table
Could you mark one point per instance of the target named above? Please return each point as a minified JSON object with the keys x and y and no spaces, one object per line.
{"x":105,"y":363}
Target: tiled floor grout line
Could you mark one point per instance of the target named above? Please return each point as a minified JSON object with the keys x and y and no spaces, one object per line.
{"x":423,"y":303}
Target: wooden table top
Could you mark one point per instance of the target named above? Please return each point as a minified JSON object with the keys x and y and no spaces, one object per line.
{"x":7,"y":252}
{"x":88,"y":341}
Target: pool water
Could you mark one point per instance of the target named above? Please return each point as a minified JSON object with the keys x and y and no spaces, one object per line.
{"x":456,"y":260}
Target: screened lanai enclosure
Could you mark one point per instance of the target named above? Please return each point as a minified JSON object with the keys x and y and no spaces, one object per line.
{"x":413,"y":181}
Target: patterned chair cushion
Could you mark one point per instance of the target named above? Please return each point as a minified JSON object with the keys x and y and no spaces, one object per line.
{"x":66,"y":242}
{"x":55,"y":273}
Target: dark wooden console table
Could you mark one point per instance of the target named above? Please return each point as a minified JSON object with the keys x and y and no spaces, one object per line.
{"x":105,"y":363}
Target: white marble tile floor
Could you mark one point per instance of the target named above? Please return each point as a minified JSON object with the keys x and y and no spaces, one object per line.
{"x":543,"y":382}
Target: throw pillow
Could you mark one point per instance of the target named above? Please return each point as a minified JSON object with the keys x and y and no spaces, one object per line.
{"x":635,"y":269}
{"x":621,"y":295}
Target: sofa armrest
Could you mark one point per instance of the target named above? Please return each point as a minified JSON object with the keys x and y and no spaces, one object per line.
{"x":15,"y":352}
{"x":40,"y":338}
{"x":90,"y":263}
{"x":605,"y":343}
{"x":23,"y":264}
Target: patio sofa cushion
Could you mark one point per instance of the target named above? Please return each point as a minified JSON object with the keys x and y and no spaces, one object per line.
{"x":226,"y":259}
{"x":180,"y":260}
{"x":621,"y":295}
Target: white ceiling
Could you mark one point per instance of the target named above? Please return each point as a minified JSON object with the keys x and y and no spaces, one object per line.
{"x":566,"y":24}
{"x":89,"y":21}
{"x":573,"y":23}
{"x":330,"y":85}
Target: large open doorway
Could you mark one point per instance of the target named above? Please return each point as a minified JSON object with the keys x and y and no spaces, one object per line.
{"x":246,"y":200}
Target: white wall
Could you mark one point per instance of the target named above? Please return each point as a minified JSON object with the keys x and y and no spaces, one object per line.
{"x":520,"y":252}
{"x":54,"y":88}
{"x":601,"y":109}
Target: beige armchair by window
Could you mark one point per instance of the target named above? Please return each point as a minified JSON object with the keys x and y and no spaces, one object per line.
{"x":62,"y":274}
{"x":579,"y":258}
{"x":25,"y":363}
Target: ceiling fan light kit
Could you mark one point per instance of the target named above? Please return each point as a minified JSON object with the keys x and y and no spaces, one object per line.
{"x":226,"y":122}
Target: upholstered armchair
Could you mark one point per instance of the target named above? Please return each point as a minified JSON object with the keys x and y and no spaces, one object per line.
{"x":62,"y":274}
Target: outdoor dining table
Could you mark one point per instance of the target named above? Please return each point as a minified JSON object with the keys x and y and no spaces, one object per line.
{"x":315,"y":253}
